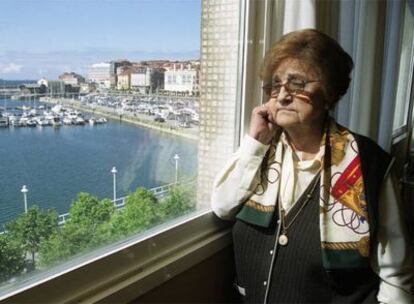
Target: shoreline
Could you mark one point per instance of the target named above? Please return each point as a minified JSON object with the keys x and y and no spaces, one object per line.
{"x":112,"y":114}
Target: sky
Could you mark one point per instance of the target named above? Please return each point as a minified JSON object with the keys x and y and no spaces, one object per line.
{"x":45,"y":38}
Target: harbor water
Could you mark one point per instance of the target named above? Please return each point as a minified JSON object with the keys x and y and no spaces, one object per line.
{"x":55,"y":163}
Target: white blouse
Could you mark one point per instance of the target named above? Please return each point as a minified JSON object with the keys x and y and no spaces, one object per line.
{"x":394,"y":259}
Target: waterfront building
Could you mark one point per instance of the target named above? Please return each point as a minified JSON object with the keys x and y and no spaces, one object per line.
{"x":116,"y":68}
{"x":33,"y":88}
{"x":52,"y":87}
{"x":124,"y":80}
{"x":182,"y":78}
{"x":56,"y":88}
{"x":141,"y":79}
{"x":87,"y":87}
{"x":146,"y":79}
{"x":100,"y":73}
{"x":72,"y":78}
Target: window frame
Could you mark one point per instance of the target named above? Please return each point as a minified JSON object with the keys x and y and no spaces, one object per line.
{"x":401,"y":132}
{"x":128,"y":269}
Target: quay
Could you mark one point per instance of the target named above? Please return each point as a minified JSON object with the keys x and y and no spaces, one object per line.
{"x":136,"y":119}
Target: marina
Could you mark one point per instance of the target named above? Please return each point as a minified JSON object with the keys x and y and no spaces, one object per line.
{"x":42,"y":116}
{"x":56,"y":163}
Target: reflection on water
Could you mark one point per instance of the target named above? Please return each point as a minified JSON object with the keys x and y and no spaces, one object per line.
{"x":57,"y":163}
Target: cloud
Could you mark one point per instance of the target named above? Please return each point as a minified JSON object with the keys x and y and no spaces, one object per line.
{"x":10,"y":68}
{"x":34,"y":65}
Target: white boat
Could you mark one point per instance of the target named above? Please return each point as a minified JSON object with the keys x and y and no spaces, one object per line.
{"x":33,"y":112}
{"x":79,"y":121}
{"x":4,"y":122}
{"x":101,"y":120}
{"x":43,"y":122}
{"x":31,"y":123}
{"x":16,"y":123}
{"x":23,"y":121}
{"x":67,"y":121}
{"x":92,"y":121}
{"x":12,"y":118}
{"x":56,"y":121}
{"x":56,"y":109}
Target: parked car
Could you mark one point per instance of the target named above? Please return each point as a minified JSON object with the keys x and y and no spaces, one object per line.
{"x":159,"y":119}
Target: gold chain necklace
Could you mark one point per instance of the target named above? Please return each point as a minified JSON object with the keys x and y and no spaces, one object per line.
{"x":283,"y":239}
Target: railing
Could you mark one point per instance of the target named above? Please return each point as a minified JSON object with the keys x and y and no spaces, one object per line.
{"x":119,"y":203}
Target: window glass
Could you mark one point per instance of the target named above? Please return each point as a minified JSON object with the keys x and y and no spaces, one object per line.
{"x":91,"y":152}
{"x":405,"y":68}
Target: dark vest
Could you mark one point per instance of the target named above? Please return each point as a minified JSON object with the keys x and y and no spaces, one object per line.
{"x":294,"y":273}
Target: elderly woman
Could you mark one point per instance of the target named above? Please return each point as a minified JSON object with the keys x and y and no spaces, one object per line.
{"x":316,"y":210}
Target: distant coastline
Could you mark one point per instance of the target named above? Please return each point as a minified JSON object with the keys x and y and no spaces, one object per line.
{"x":5,"y":82}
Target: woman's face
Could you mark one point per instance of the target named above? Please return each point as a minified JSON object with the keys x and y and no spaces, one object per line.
{"x":299,"y":108}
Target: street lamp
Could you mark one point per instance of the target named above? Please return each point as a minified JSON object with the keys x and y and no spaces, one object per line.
{"x":24,"y":191}
{"x":114,"y":172}
{"x":176,"y":158}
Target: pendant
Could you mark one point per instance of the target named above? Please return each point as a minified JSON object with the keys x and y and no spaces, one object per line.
{"x":283,"y":239}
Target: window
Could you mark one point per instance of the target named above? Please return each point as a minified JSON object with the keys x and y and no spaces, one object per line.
{"x":82,"y":140}
{"x":106,"y":94}
{"x":406,"y":67}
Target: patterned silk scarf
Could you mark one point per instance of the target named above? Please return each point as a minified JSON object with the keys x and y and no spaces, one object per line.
{"x":343,"y":216}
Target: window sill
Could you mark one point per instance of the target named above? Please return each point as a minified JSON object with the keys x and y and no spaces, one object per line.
{"x":128,"y":269}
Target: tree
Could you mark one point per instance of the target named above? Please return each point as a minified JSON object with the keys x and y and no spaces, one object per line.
{"x":179,"y":201}
{"x":138,"y":214}
{"x":32,"y":228}
{"x":12,"y":257}
{"x":86,"y":228}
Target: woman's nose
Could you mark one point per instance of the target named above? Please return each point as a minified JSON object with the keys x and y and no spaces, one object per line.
{"x":284,"y":96}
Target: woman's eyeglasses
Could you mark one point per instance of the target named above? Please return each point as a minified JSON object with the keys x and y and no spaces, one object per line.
{"x":293,"y":86}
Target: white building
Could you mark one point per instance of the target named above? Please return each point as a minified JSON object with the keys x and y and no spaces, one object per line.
{"x":141,"y":79}
{"x":184,"y":79}
{"x":72,"y":79}
{"x":101,"y":74}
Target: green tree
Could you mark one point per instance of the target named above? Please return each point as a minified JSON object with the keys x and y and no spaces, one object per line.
{"x":86,"y":228}
{"x":180,"y":200}
{"x":55,"y":249}
{"x":12,"y":257}
{"x":139,"y":213}
{"x":32,"y":228}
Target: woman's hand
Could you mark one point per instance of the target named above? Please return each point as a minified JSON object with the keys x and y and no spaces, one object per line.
{"x":262,"y":125}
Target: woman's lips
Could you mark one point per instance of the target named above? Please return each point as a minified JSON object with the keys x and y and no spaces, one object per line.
{"x":285,"y":109}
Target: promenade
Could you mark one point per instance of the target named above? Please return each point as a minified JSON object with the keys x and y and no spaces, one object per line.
{"x":169,"y":126}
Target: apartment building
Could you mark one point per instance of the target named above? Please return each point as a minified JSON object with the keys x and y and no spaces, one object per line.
{"x":183,"y":78}
{"x":100,"y":73}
